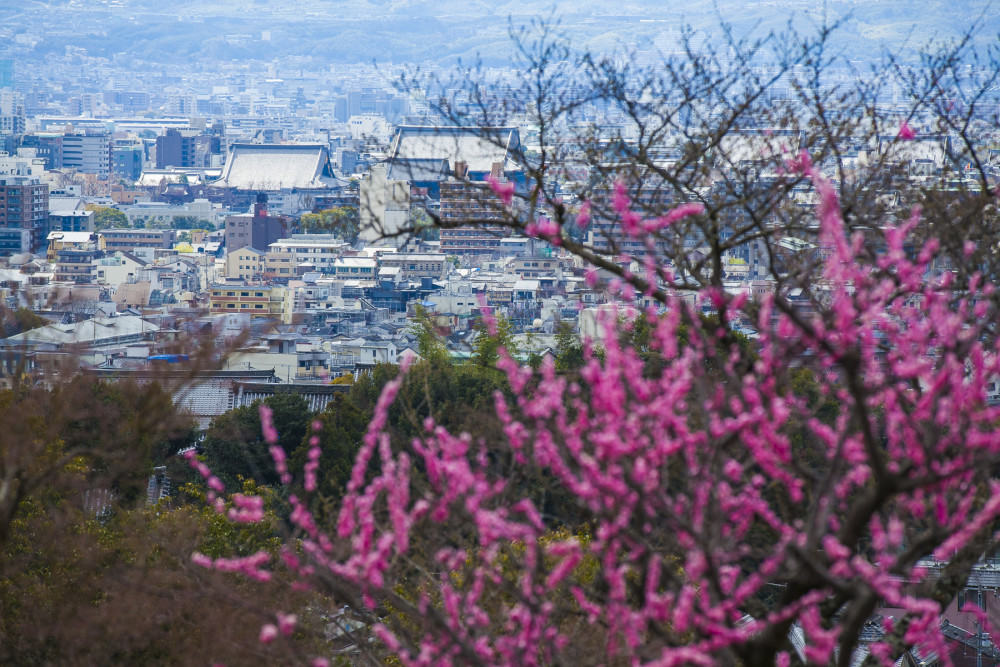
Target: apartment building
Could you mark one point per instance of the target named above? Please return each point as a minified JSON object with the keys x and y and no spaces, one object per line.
{"x":88,"y":153}
{"x":258,"y":229}
{"x":320,"y":250}
{"x":271,"y":301}
{"x":131,"y":239}
{"x":471,"y":216}
{"x":24,"y":204}
{"x":417,"y":265}
{"x":279,"y":265}
{"x":245,"y":264}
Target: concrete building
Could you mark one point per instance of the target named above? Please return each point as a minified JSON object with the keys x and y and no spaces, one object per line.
{"x":355,"y":268}
{"x":14,"y":241}
{"x":186,"y":148}
{"x":132,"y":239}
{"x":319,"y":250}
{"x":118,"y":268}
{"x":245,"y":264}
{"x":71,"y":221}
{"x":417,"y":265}
{"x":160,"y":212}
{"x":279,"y":265}
{"x":385,"y":206}
{"x":257,"y":230}
{"x":24,"y":204}
{"x":126,"y":160}
{"x":88,"y":153}
{"x":176,"y":148}
{"x":471,"y":217}
{"x":272,"y":301}
{"x":47,"y":146}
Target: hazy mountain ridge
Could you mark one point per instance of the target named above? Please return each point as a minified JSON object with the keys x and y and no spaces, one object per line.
{"x":441,"y":30}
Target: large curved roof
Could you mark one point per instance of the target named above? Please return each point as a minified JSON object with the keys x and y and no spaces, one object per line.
{"x":273,"y":167}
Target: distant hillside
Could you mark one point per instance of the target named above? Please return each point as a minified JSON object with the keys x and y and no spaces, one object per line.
{"x":333,"y":31}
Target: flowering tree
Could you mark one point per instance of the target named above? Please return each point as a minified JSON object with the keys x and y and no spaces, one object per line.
{"x":731,"y":499}
{"x":773,"y":502}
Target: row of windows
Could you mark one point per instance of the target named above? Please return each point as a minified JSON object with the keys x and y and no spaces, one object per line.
{"x":218,"y":294}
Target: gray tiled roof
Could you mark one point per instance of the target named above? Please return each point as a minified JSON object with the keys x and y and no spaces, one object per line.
{"x":479,"y":148}
{"x":277,"y":167}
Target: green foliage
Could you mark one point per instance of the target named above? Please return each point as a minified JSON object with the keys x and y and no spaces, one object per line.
{"x":343,"y":221}
{"x":486,"y":347}
{"x":191,"y":222}
{"x":234,"y":445}
{"x":569,"y":349}
{"x":13,"y":322}
{"x":122,"y":590}
{"x":424,"y":226}
{"x":106,"y":217}
{"x":430,"y":345}
{"x":224,"y":538}
{"x":368,"y":386}
{"x":343,"y":427}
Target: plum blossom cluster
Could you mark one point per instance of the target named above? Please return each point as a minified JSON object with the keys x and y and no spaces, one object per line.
{"x":253,"y":566}
{"x":721,"y":509}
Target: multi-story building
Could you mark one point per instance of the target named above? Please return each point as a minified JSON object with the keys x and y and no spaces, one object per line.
{"x":417,"y":265}
{"x":71,"y":221}
{"x":75,"y":255}
{"x":59,"y":241}
{"x":14,"y":240}
{"x":279,"y":265}
{"x":349,"y":268}
{"x":319,"y":250}
{"x":126,"y":159}
{"x":272,"y":301}
{"x":12,"y":126}
{"x":24,"y":204}
{"x":142,"y":213}
{"x":538,"y":267}
{"x":177,"y":148}
{"x":257,"y":230}
{"x":119,"y":268}
{"x":130,"y":239}
{"x":606,"y":234}
{"x":385,"y":205}
{"x":471,"y":218}
{"x":245,"y":264}
{"x":88,"y":153}
{"x":48,"y":146}
{"x":129,"y":101}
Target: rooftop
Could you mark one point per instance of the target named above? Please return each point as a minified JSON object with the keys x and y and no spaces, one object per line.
{"x":274,"y":167}
{"x":478,"y":147}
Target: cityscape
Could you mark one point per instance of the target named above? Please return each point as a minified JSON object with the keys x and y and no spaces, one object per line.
{"x":456,"y":333}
